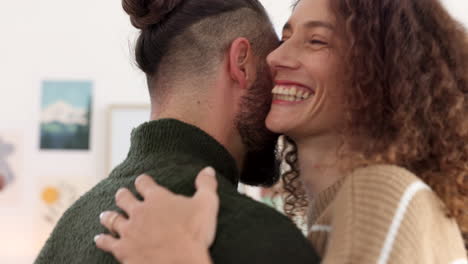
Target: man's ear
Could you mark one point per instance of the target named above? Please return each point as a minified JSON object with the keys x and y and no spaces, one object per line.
{"x":240,"y":60}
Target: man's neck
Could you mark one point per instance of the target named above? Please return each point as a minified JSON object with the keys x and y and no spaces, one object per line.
{"x":209,"y":118}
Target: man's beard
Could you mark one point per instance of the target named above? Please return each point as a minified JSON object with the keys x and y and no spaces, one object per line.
{"x":260,"y":165}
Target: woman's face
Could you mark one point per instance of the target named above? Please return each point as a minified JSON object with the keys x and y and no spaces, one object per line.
{"x":307,"y":97}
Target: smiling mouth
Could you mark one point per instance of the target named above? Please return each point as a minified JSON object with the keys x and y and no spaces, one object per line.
{"x":291,"y":93}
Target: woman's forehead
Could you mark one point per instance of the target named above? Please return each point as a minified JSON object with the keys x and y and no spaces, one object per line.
{"x":311,"y":10}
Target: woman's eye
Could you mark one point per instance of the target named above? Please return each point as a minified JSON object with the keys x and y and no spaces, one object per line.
{"x":317,"y":42}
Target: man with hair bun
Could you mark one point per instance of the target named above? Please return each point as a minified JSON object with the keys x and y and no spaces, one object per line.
{"x":210,"y":91}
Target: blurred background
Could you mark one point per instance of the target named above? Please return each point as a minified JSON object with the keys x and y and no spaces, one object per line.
{"x":69,"y":94}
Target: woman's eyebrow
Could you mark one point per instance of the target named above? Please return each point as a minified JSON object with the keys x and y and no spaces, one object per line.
{"x":312,"y":24}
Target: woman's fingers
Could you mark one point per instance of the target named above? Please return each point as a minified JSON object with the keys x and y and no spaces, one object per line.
{"x":207,"y":200}
{"x":207,"y":186}
{"x":125,"y":200}
{"x":161,"y":219}
{"x":113,"y":221}
{"x":206,"y":180}
{"x":105,"y":242}
{"x":146,"y":186}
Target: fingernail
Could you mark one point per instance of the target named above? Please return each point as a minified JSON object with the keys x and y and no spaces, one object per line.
{"x":96,"y":238}
{"x":139,"y":178}
{"x":102,"y":215}
{"x":119,"y":191}
{"x":210,"y":171}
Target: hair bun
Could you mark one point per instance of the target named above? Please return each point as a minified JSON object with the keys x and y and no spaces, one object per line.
{"x":145,"y":13}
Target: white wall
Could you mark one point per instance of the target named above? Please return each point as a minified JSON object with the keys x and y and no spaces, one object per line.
{"x":57,"y":39}
{"x":458,"y":8}
{"x":69,"y":40}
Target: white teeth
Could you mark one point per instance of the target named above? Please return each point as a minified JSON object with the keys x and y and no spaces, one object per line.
{"x":300,"y":94}
{"x":290,"y":93}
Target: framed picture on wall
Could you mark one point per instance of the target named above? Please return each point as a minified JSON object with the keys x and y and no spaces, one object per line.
{"x":57,"y":194}
{"x":12,"y":180}
{"x":122,"y":120}
{"x":66,"y":115}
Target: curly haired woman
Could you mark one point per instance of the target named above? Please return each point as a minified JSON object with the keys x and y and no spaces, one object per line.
{"x":373,"y":99}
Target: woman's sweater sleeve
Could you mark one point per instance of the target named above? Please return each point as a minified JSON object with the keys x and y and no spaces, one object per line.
{"x":388,"y":215}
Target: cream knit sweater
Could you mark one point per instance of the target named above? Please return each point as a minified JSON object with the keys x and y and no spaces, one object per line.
{"x":383,"y":214}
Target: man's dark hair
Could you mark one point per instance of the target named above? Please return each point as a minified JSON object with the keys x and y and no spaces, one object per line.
{"x":188,"y":38}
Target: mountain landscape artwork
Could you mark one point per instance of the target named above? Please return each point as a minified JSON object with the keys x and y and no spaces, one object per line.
{"x":66,"y":115}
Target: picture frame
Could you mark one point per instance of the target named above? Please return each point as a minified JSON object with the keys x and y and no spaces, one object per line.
{"x":66,"y":115}
{"x":122,"y":119}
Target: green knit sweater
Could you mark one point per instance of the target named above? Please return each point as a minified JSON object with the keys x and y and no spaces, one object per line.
{"x":173,"y":153}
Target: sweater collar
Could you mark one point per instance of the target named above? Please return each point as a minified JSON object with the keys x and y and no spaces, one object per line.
{"x":170,"y":136}
{"x":321,"y":201}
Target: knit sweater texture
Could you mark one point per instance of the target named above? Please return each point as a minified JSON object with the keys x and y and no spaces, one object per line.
{"x":173,"y":153}
{"x":383,"y":214}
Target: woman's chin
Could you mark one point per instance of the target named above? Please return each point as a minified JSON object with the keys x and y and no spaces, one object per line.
{"x":276,"y":125}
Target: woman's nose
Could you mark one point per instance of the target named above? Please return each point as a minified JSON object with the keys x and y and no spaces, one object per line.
{"x":283,"y":57}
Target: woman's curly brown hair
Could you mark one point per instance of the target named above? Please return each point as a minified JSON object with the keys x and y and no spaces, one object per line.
{"x":407,"y":67}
